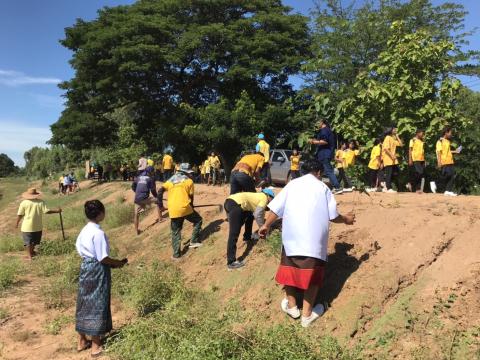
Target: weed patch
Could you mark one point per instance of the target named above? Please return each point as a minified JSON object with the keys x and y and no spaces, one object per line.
{"x":10,"y":243}
{"x":274,"y":243}
{"x":9,"y":269}
{"x":56,"y":325}
{"x":118,"y":215}
{"x":56,"y":247}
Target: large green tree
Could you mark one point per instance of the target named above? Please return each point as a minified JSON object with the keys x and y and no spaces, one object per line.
{"x":7,"y":166}
{"x":158,"y":54}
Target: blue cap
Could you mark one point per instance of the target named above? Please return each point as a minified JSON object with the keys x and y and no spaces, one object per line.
{"x":269,"y":192}
{"x":261,"y":136}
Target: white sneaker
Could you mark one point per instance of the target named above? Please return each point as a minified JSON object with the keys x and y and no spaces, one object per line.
{"x":433,"y":187}
{"x":292,"y":312}
{"x":370,"y":190}
{"x":347,"y":189}
{"x":337,"y":191}
{"x":449,"y":193}
{"x":195,"y":245}
{"x":317,"y":311}
{"x":391,"y":191}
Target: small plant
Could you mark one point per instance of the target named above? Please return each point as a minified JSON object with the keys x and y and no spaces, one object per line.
{"x":56,"y":247}
{"x":10,"y":243}
{"x":3,"y":314}
{"x":274,"y":242}
{"x":55,"y":326}
{"x":9,"y":269}
{"x":48,"y":266}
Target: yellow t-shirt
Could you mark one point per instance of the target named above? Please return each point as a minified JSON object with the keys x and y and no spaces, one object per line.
{"x":60,"y":179}
{"x":214,"y":162}
{"x":295,"y":162}
{"x":207,"y":166}
{"x":179,"y":198}
{"x":391,"y":144}
{"x":167,"y":162}
{"x":264,"y":148}
{"x":350,"y":156}
{"x":254,"y":161}
{"x":32,"y":212}
{"x":340,"y":154}
{"x":374,"y":163}
{"x":202,"y":169}
{"x":444,"y":148}
{"x":417,"y":149}
{"x":249,"y":201}
{"x":150,"y":162}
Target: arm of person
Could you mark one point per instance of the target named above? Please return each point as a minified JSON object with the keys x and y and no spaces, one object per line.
{"x":114,"y":263}
{"x":259,"y":215}
{"x":134,"y":185}
{"x":393,"y":157}
{"x":348,"y":219}
{"x":271,"y":218}
{"x":439,"y":158}
{"x":410,"y":159}
{"x":160,"y":198}
{"x":400,"y":142}
{"x":19,"y":218}
{"x":318,"y":142}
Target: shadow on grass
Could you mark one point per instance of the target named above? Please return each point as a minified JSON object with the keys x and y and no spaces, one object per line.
{"x":211,"y":229}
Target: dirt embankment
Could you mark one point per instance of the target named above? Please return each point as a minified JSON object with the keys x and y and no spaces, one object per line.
{"x":402,"y":282}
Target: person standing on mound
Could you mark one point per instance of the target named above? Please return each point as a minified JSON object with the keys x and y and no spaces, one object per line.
{"x":390,"y":158}
{"x":307,"y":206}
{"x":31,"y":211}
{"x":143,"y":185}
{"x":93,"y":316}
{"x":180,"y":189}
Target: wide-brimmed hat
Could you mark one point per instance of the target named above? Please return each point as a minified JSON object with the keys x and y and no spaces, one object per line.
{"x":185,"y":167}
{"x":31,"y":194}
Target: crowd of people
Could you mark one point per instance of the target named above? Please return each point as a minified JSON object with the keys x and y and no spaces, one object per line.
{"x":305,"y":206}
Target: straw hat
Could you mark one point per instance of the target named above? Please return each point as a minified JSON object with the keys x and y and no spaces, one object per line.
{"x":31,"y":194}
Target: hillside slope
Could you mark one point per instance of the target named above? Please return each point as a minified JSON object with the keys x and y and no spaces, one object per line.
{"x":402,"y":282}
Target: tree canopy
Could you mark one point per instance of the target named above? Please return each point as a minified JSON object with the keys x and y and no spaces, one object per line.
{"x":7,"y":166}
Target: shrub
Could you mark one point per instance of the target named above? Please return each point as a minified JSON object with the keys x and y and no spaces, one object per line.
{"x":9,"y":269}
{"x":56,"y":247}
{"x":151,"y":289}
{"x":10,"y":243}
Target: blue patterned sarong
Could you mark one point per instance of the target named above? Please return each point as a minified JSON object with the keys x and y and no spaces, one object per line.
{"x":93,"y":315}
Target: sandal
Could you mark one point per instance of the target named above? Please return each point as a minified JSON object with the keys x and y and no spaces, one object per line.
{"x":88,"y":345}
{"x":98,"y":354}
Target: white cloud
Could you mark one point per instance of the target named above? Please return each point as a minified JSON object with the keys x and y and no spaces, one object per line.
{"x":16,"y":78}
{"x":16,"y":138}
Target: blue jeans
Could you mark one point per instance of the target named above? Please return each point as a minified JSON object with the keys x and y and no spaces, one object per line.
{"x":328,"y":171}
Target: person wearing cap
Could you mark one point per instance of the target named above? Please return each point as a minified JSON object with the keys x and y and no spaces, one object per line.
{"x":143,"y":185}
{"x":306,"y":206}
{"x":180,"y":189}
{"x":264,"y":148}
{"x":245,"y":172}
{"x":30,"y":212}
{"x":242,"y":209}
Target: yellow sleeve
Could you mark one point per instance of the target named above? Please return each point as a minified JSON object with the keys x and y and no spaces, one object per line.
{"x":261,"y":161}
{"x":410,"y":145}
{"x":45,"y":209}
{"x":21,"y":209}
{"x":263,"y":202}
{"x":190,"y":187}
{"x":167,"y":185}
{"x":357,"y":152}
{"x":438,"y":147}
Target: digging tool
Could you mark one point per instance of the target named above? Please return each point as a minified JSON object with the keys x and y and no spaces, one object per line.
{"x":61,"y":224}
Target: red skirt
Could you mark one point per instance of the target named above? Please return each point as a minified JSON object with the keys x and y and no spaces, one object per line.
{"x":300,"y":271}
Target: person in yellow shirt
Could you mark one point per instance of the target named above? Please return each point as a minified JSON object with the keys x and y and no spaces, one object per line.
{"x":245,"y":172}
{"x":206,"y":169}
{"x":295,"y":164}
{"x":180,"y":189}
{"x":215,"y":164}
{"x":264,"y":148}
{"x":351,"y":153}
{"x":390,"y":158}
{"x":341,"y":161}
{"x":242,"y":209}
{"x":30,"y":212}
{"x":150,"y":162}
{"x":60,"y":184}
{"x":445,"y":160}
{"x":416,"y":161}
{"x":167,"y":165}
{"x":374,"y":165}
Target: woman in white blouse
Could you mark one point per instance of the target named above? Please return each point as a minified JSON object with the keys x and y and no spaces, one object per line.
{"x":93,"y":314}
{"x":306,"y":206}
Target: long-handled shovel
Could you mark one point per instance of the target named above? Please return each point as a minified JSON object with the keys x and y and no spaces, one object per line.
{"x":61,"y":224}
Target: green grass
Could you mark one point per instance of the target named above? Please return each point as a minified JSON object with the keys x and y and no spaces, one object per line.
{"x":11,"y":243}
{"x":56,"y":247}
{"x":10,"y":188}
{"x":274,"y":243}
{"x":117,"y":215}
{"x":55,"y":326}
{"x":10,"y":268}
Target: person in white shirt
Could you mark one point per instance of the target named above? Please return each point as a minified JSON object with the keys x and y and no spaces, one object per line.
{"x":306,"y":206}
{"x":93,"y":314}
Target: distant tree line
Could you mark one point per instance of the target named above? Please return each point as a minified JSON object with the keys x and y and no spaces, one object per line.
{"x":201,"y":75}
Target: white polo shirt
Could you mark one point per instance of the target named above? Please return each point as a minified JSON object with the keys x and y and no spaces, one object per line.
{"x":92,"y":242}
{"x":306,"y":206}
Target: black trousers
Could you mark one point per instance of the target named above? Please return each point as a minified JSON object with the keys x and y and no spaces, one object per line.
{"x":266,"y":175}
{"x":294,"y":174}
{"x":241,"y":182}
{"x":342,"y":176}
{"x":236,"y":219}
{"x":417,"y":173}
{"x":448,"y":177}
{"x":391,"y":175}
{"x":372,"y":177}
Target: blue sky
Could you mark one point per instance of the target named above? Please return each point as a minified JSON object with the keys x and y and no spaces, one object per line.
{"x":33,"y":62}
